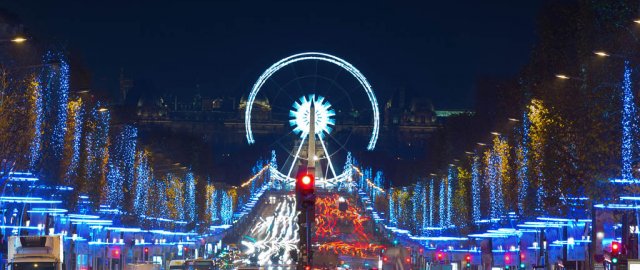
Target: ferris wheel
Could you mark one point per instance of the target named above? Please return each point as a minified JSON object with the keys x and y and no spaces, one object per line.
{"x":345,"y":106}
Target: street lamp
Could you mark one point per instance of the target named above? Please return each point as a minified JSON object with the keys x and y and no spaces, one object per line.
{"x":601,"y":53}
{"x":562,"y":76}
{"x":18,"y":40}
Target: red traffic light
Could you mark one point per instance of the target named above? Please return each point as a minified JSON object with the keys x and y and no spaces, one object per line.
{"x":408,"y":260}
{"x":521,"y":256}
{"x":115,"y":253}
{"x":439,"y":254}
{"x":507,"y":258}
{"x":385,"y":258}
{"x":307,"y":182}
{"x":468,"y":258}
{"x":615,"y":247}
{"x":146,"y":250}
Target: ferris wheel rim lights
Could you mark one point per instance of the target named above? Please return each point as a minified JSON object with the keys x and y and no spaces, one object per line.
{"x":318,"y":57}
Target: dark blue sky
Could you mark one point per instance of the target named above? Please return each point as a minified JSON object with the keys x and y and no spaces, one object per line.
{"x":433,"y":48}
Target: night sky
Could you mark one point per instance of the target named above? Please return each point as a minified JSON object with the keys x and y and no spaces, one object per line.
{"x":435,"y":49}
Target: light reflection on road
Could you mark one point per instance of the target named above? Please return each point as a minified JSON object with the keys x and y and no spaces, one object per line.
{"x":273,"y":237}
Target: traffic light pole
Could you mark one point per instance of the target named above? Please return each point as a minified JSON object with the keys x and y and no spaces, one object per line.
{"x":305,"y":194}
{"x":311,"y":168}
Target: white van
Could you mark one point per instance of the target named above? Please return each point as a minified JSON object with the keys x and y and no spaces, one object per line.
{"x":35,"y":252}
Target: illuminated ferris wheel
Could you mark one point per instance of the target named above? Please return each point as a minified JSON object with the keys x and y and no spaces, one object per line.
{"x":346,"y":109}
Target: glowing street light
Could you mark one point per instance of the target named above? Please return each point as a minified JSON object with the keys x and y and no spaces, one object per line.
{"x":601,"y":53}
{"x":103,"y":109}
{"x":562,"y":76}
{"x":637,"y":21}
{"x":18,"y":40}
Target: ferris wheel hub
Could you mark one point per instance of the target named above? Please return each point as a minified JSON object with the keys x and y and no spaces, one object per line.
{"x":301,"y":115}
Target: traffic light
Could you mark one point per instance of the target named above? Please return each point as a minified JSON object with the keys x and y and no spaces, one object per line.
{"x":146,"y":254}
{"x":305,"y":187}
{"x":615,"y":252}
{"x":115,"y":253}
{"x":522,"y":265}
{"x":439,"y":256}
{"x":507,"y":261}
{"x":467,"y":260}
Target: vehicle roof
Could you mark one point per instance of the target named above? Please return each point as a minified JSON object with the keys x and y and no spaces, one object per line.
{"x":176,"y":262}
{"x":32,"y":259}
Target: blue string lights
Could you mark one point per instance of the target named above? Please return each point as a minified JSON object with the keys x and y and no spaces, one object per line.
{"x":56,"y":94}
{"x":475,"y":188}
{"x":451,"y":177}
{"x":38,"y":111}
{"x":393,"y":218}
{"x":441,"y":205}
{"x":523,"y":164}
{"x":628,"y":123}
{"x":74,"y":134}
{"x":190,"y":196}
{"x":226,"y":211}
{"x":431,"y":202}
{"x":143,"y":179}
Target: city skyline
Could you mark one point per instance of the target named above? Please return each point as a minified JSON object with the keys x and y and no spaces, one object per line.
{"x":177,"y":47}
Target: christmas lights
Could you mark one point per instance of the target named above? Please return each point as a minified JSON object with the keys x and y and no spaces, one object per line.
{"x":475,"y":188}
{"x":629,"y":123}
{"x":523,"y":164}
{"x":190,"y":196}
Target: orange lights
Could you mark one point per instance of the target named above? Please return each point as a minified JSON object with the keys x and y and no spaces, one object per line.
{"x":331,"y":223}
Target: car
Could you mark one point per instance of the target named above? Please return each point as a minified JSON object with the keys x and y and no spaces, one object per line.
{"x":199,"y":264}
{"x":176,"y":265}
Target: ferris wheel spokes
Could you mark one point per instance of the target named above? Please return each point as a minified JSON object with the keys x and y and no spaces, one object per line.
{"x":326,"y":153}
{"x":295,"y":157}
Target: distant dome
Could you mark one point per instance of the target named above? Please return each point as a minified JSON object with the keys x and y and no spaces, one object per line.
{"x":260,"y":102}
